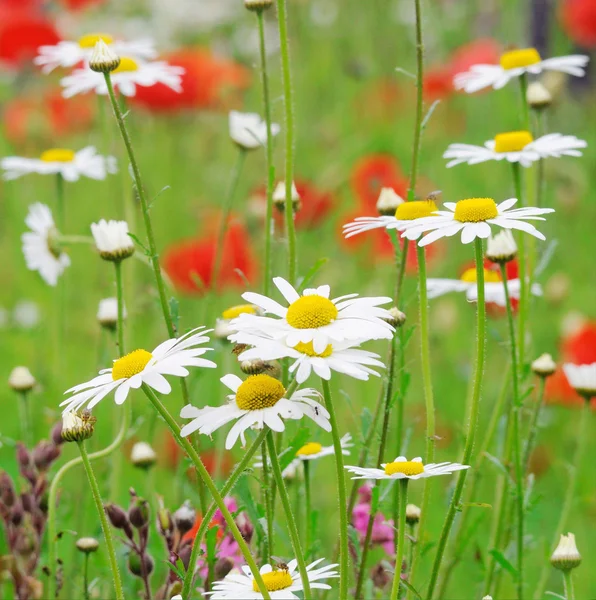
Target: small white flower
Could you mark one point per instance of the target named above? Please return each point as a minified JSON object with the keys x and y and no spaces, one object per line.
{"x":514,"y":64}
{"x":107,"y":312}
{"x":39,"y":247}
{"x":68,"y":54}
{"x":139,"y":367}
{"x":544,"y":365}
{"x":582,"y":378}
{"x":112,"y":240}
{"x":515,"y":147}
{"x":566,"y":555}
{"x":501,"y":248}
{"x":69,"y":164}
{"x":103,"y":59}
{"x":257,"y":401}
{"x":280,"y":583}
{"x":248,"y":130}
{"x":21,"y":379}
{"x":538,"y":95}
{"x":279,"y":193}
{"x":402,"y":468}
{"x":142,"y":455}
{"x":129,"y":74}
{"x":388,"y":201}
{"x":413,"y":513}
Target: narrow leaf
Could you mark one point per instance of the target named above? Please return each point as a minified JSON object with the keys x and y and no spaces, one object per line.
{"x":502,"y":560}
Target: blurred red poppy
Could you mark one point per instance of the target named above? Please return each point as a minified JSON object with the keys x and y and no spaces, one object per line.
{"x":80,"y":4}
{"x":437,"y":83}
{"x":373,"y":172}
{"x":482,"y":51}
{"x":579,"y":21}
{"x":21,"y":34}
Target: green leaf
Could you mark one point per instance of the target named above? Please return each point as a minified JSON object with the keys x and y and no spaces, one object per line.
{"x":289,"y":454}
{"x":476,"y":504}
{"x":245,"y":494}
{"x":310,"y":274}
{"x":365,"y":422}
{"x":211,"y":543}
{"x":163,"y":189}
{"x":499,"y":465}
{"x":354,"y":541}
{"x":181,"y":574}
{"x":503,"y":562}
{"x":139,"y":243}
{"x":411,"y":588}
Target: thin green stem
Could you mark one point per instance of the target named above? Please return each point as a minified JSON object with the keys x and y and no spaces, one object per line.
{"x":86,"y":576}
{"x":401,"y":536}
{"x":105,"y":526}
{"x":60,"y":209}
{"x":289,"y":137}
{"x":533,"y":428}
{"x":523,"y":86}
{"x":268,"y":504}
{"x":285,"y":502}
{"x":568,"y":582}
{"x":25,"y":418}
{"x":307,"y":508}
{"x":120,"y":302}
{"x":341,"y":494}
{"x":471,"y":431}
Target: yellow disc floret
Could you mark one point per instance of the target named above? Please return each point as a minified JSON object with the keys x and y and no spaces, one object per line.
{"x":131,"y":364}
{"x":310,"y":312}
{"x":469,"y":276}
{"x":307,"y":348}
{"x":406,"y":467}
{"x":309,"y":449}
{"x":127,"y":64}
{"x":520,"y":58}
{"x":274,"y":580}
{"x":408,"y":211}
{"x":58,"y":155}
{"x":241,"y":309}
{"x":512,"y":141}
{"x":475,"y":210}
{"x":259,"y":391}
{"x":89,"y":40}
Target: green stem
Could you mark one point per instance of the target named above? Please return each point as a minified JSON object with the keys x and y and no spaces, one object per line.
{"x":289,"y":137}
{"x":217,"y":497}
{"x":341,"y":494}
{"x":308,"y":507}
{"x":107,"y":532}
{"x":419,"y":101}
{"x":86,"y":576}
{"x":25,"y":417}
{"x":120,"y":301}
{"x":471,"y":432}
{"x":285,"y":502}
{"x":533,"y":428}
{"x":268,"y":504}
{"x":568,"y":582}
{"x":401,"y":535}
{"x":60,"y":209}
{"x":523,"y":85}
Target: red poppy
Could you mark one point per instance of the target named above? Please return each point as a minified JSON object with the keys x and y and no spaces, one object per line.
{"x":579,"y":21}
{"x":22,"y":33}
{"x":437,"y":83}
{"x":192,"y":534}
{"x":483,"y":51}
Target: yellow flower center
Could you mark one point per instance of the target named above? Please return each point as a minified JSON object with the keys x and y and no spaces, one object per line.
{"x":89,"y":40}
{"x":127,"y":64}
{"x":408,"y":211}
{"x":310,"y":312}
{"x":512,"y":141}
{"x":520,"y":58}
{"x":275,"y":580}
{"x":307,"y":348}
{"x":309,"y":449}
{"x":407,"y":468}
{"x":131,"y":364}
{"x":259,"y":391}
{"x":475,"y":210}
{"x":58,"y":155}
{"x":490,"y":276}
{"x":235,"y":311}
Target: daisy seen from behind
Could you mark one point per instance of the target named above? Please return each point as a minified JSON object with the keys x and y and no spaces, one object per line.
{"x":141,"y":367}
{"x":258,"y":401}
{"x":582,"y":378}
{"x":248,"y":130}
{"x":516,"y":63}
{"x":69,"y":164}
{"x":402,"y":468}
{"x":112,"y":240}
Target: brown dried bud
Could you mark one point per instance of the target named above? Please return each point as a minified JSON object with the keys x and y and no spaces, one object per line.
{"x":56,"y":434}
{"x":7,"y":491}
{"x":185,"y":517}
{"x":44,"y":454}
{"x":16,"y":514}
{"x":138,"y":511}
{"x":222,"y":567}
{"x":117,"y":516}
{"x":23,"y":456}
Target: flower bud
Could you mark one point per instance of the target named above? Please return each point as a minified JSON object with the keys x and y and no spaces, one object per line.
{"x":138,"y":511}
{"x":23,"y":456}
{"x":112,"y":240}
{"x":501,"y":248}
{"x":537,"y":96}
{"x":143,"y":456}
{"x":107,"y":313}
{"x":279,"y":197}
{"x":544,"y":366}
{"x":56,"y":434}
{"x":566,"y":555}
{"x":16,"y":514}
{"x":397,"y":318}
{"x":87,"y":545}
{"x":413,"y":513}
{"x":21,"y":380}
{"x":77,"y":427}
{"x":138,"y":568}
{"x":117,"y":516}
{"x":165,"y":523}
{"x":44,"y":454}
{"x":7,"y":491}
{"x":185,"y":517}
{"x":103,"y":60}
{"x":257,"y":5}
{"x":388,"y":202}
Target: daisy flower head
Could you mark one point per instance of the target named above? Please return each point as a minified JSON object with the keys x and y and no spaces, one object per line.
{"x":223,"y":328}
{"x":130,"y":74}
{"x":315,"y":450}
{"x":281,"y":583}
{"x":255,"y":402}
{"x":248,"y":130}
{"x":515,"y":63}
{"x":141,"y":367}
{"x":312,"y":317}
{"x":475,"y":217}
{"x":69,"y":164}
{"x":68,"y":54}
{"x":402,"y":468}
{"x":112,"y":240}
{"x":582,"y":378}
{"x":107,"y":313}
{"x":40,"y":247}
{"x":515,"y":147}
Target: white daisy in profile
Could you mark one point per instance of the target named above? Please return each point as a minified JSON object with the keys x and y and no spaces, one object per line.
{"x":222,"y":323}
{"x":69,"y":164}
{"x":281,"y":583}
{"x":248,"y":130}
{"x":141,"y":367}
{"x":42,"y":253}
{"x":402,"y":468}
{"x":129,"y":74}
{"x":313,"y":317}
{"x":582,"y":378}
{"x":474,"y":218}
{"x":515,"y":147}
{"x":515,"y":63}
{"x":112,"y":240}
{"x":257,"y":401}
{"x":68,"y":54}
{"x":342,"y":357}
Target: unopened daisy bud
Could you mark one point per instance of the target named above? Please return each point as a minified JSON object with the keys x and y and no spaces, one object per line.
{"x":117,"y":516}
{"x":501,"y":248}
{"x":257,"y":366}
{"x":77,"y":427}
{"x":487,"y":598}
{"x":112,"y":240}
{"x":103,"y":60}
{"x":257,"y":5}
{"x":138,"y":511}
{"x":397,"y":319}
{"x":185,"y":517}
{"x":87,"y":545}
{"x":544,"y":366}
{"x":582,"y":378}
{"x":21,"y":380}
{"x":388,"y":202}
{"x":279,"y":197}
{"x":107,"y":313}
{"x":413,"y":513}
{"x":537,"y":96}
{"x":566,"y":555}
{"x":142,"y":455}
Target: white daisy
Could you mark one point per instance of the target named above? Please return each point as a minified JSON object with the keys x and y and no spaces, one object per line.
{"x":61,"y":161}
{"x":68,"y":54}
{"x":402,"y":468}
{"x":514,"y":64}
{"x":41,"y":251}
{"x":313,"y":317}
{"x":474,"y":217}
{"x":112,"y":240}
{"x":222,"y":324}
{"x":515,"y":147}
{"x":107,"y":313}
{"x":582,"y":378}
{"x":139,"y":367}
{"x":258,"y":401}
{"x":125,"y":78}
{"x":248,"y":130}
{"x":280,"y":583}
